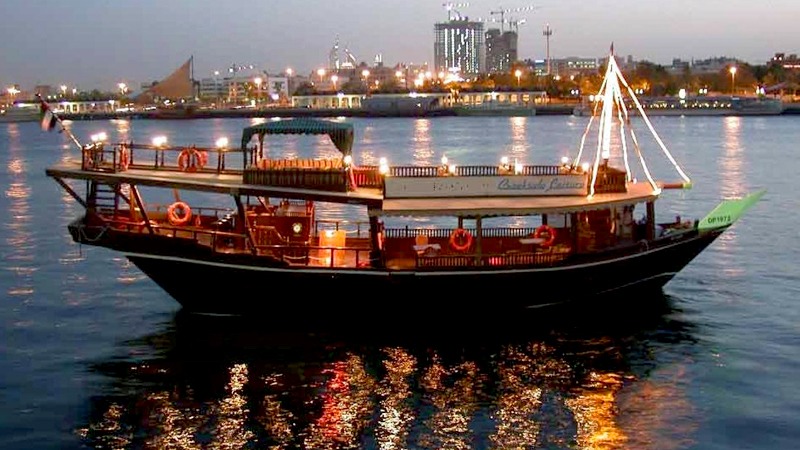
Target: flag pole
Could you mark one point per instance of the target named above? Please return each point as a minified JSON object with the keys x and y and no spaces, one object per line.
{"x":58,"y":120}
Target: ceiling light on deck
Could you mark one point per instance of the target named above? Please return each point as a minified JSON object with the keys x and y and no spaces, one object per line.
{"x":222,"y":143}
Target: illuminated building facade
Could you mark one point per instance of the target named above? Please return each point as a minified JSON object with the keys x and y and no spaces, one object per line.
{"x":501,"y":50}
{"x":459,"y":44}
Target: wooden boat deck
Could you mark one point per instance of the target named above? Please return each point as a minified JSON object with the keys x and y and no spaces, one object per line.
{"x":498,"y":206}
{"x":228,"y":182}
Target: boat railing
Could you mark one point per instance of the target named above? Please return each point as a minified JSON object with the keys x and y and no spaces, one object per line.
{"x":318,"y":256}
{"x":492,"y":260}
{"x":122,"y":156}
{"x":357,"y":228}
{"x":473,"y":171}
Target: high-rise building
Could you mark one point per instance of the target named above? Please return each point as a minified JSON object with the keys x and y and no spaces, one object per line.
{"x":458,"y":44}
{"x":501,"y":50}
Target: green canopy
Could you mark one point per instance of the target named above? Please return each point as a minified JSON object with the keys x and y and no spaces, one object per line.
{"x":341,"y":133}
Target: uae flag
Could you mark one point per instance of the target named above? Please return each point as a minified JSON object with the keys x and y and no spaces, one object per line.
{"x":48,"y":120}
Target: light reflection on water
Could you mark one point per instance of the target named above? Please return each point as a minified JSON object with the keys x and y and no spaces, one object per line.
{"x":596,"y":382}
{"x":731,"y":169}
{"x":20,"y":249}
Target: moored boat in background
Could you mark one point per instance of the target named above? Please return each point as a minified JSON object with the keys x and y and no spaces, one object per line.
{"x":21,"y":112}
{"x":707,"y":105}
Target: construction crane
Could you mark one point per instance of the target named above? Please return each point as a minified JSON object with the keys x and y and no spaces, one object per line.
{"x":452,"y":11}
{"x":515,"y":24}
{"x":502,"y":12}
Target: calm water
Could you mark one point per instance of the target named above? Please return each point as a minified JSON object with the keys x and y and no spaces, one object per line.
{"x":94,"y":355}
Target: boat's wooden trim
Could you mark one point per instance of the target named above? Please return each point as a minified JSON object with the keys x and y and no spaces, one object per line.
{"x":496,"y":206}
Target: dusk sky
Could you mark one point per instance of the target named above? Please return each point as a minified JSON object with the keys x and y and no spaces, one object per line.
{"x":99,"y":43}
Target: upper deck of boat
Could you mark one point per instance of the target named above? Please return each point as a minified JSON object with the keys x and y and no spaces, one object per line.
{"x":231,"y":182}
{"x":225,"y":182}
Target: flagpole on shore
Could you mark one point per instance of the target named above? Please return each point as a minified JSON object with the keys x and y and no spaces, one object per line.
{"x":48,"y":121}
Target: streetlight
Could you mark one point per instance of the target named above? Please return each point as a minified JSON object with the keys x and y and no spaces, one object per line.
{"x":122,"y":89}
{"x":216,"y":89}
{"x":63,"y":90}
{"x":321,"y":73}
{"x":334,"y":79}
{"x":365,"y":74}
{"x":732,"y":70}
{"x":258,"y":81}
{"x":518,"y":73}
{"x":12,"y":91}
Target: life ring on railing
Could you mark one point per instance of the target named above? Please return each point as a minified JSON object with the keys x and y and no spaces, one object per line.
{"x":460,"y":240}
{"x":187,"y":160}
{"x":124,"y":158}
{"x":547,"y":233}
{"x":179,"y":213}
{"x":202,"y":159}
{"x":88,"y":161}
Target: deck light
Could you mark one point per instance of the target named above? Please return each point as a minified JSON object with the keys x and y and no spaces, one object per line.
{"x":348,"y":160}
{"x":517,"y":167}
{"x":222,"y":143}
{"x":99,"y":137}
{"x":444,"y":160}
{"x":452,"y":169}
{"x":585,"y":167}
{"x":159,"y":141}
{"x":383,"y":166}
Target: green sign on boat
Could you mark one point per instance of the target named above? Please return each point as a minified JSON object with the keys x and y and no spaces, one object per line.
{"x":729,"y":211}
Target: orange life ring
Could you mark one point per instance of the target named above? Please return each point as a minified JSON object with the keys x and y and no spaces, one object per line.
{"x":547,"y":233}
{"x":202,"y":159}
{"x":460,"y":240}
{"x":179,"y":213}
{"x":187,"y":160}
{"x":124,"y":159}
{"x":88,"y":161}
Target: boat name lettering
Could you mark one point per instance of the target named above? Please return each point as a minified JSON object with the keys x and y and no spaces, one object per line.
{"x":719,"y":219}
{"x":555,"y":184}
{"x":448,"y":186}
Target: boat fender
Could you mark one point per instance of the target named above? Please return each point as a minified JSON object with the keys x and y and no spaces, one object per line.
{"x":547,"y":233}
{"x":460,"y":240}
{"x":179,"y":213}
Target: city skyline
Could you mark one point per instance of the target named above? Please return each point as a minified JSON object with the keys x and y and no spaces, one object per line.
{"x":97,"y":44}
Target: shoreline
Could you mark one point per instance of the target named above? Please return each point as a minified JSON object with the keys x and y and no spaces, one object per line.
{"x":544,"y":110}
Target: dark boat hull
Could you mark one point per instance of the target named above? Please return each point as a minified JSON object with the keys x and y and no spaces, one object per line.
{"x":211,"y":284}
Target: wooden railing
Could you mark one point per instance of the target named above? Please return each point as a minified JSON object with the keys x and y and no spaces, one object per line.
{"x":127,"y":155}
